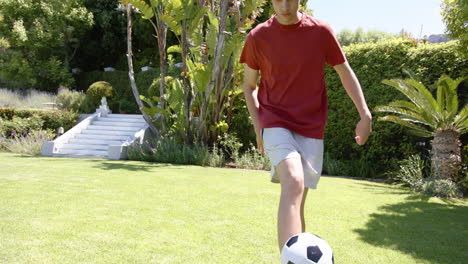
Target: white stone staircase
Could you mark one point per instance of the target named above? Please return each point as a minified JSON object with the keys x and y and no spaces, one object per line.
{"x":101,"y":135}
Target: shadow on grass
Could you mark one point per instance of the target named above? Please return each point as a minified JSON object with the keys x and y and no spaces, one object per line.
{"x":126,"y":165}
{"x":433,"y":232}
{"x":106,"y":164}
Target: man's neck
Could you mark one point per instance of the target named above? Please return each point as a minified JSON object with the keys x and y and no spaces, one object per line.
{"x":290,"y":21}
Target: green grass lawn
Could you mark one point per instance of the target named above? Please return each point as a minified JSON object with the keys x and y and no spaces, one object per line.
{"x":59,"y":210}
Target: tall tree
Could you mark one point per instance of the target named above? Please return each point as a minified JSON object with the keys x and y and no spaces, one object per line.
{"x":210,"y":35}
{"x":149,"y":119}
{"x":43,"y":38}
{"x":455,"y":16}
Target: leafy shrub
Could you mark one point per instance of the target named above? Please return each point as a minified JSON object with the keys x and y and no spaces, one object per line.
{"x":69,"y":99}
{"x":27,"y":144}
{"x":254,"y":160}
{"x":96,"y":91}
{"x":332,"y":166}
{"x":167,"y":150}
{"x":153,"y":90}
{"x":413,"y":173}
{"x":216,"y":157}
{"x":241,"y":123}
{"x":230,"y":145}
{"x":20,"y":126}
{"x":359,"y":167}
{"x":99,"y":89}
{"x":27,"y":119}
{"x":440,"y":188}
{"x":126,"y":106}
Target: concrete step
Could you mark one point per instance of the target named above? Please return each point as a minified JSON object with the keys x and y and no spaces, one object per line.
{"x":120,"y":124}
{"x":125,"y":116}
{"x":107,"y":132}
{"x":84,"y":146}
{"x":95,"y":141}
{"x":104,"y":137}
{"x":113,"y":128}
{"x":125,"y":120}
{"x":87,"y":152}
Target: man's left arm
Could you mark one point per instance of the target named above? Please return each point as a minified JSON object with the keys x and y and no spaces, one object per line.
{"x":353,"y":88}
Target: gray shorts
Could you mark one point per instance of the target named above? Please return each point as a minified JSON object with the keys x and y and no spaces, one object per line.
{"x":280,"y":144}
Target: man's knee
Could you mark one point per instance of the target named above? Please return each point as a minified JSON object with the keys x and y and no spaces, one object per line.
{"x":291,"y":177}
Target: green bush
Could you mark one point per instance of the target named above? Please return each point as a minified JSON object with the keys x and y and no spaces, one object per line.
{"x":373,"y":63}
{"x":24,"y":120}
{"x":216,"y":157}
{"x":241,"y":123}
{"x":18,"y":126}
{"x":153,"y":90}
{"x":252,"y":159}
{"x":99,"y":89}
{"x":413,"y":173}
{"x":69,"y":99}
{"x":167,"y":150}
{"x":440,"y":188}
{"x":94,"y":94}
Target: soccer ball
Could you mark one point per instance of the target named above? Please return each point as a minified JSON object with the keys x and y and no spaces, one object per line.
{"x":306,"y":248}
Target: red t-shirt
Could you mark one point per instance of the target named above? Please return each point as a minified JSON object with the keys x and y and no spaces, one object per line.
{"x":291,"y":60}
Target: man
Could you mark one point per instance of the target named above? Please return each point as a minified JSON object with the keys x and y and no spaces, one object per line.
{"x":289,"y":108}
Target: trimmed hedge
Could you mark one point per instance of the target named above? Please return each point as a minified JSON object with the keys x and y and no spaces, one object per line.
{"x":22,"y":120}
{"x":373,"y":63}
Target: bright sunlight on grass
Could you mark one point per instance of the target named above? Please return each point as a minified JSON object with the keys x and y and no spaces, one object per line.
{"x":58,"y":210}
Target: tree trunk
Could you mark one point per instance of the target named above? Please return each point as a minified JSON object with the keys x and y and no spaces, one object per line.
{"x":216,"y":73}
{"x":187,"y":87}
{"x":446,"y":158}
{"x":131,"y":76}
{"x":162,"y":33}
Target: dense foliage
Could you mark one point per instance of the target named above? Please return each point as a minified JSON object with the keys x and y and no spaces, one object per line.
{"x":455,"y":16}
{"x":372,"y":63}
{"x":19,"y":121}
{"x":40,"y":39}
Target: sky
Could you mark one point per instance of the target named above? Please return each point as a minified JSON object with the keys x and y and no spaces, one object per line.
{"x":385,"y":15}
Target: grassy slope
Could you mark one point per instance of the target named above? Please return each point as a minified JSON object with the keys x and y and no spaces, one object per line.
{"x":56,"y":210}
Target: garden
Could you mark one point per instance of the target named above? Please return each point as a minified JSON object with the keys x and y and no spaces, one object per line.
{"x":197,"y":190}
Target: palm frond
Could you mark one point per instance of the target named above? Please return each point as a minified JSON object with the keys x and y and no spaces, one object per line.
{"x":461,"y":120}
{"x":145,"y":9}
{"x":408,"y":115}
{"x":415,"y":129}
{"x":414,"y":92}
{"x":424,"y":114}
{"x":426,"y":97}
{"x":447,"y":98}
{"x":406,"y":104}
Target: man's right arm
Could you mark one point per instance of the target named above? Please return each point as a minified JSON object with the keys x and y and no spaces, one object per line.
{"x":250,"y":93}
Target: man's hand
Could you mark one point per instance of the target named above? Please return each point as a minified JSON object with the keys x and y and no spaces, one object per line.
{"x":363,"y":129}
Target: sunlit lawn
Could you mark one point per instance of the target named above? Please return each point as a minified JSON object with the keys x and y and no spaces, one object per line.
{"x":59,"y":210}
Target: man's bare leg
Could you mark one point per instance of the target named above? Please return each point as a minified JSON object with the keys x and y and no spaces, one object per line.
{"x":292,"y":190}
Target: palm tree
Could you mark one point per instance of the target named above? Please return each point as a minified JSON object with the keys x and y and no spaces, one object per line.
{"x":426,"y":116}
